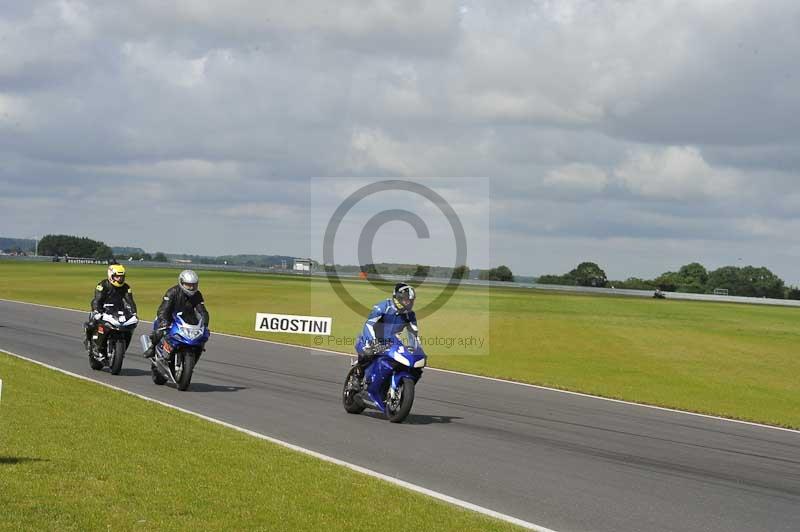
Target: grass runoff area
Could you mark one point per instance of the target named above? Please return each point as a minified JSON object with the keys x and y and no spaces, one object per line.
{"x":75,"y":455}
{"x":733,"y":360}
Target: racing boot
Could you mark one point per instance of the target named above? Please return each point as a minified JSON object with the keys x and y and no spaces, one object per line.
{"x":155,"y":337}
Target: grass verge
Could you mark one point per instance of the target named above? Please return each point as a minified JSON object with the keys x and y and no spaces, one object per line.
{"x":75,"y":455}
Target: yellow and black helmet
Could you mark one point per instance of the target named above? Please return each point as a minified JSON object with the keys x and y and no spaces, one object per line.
{"x":116,"y":274}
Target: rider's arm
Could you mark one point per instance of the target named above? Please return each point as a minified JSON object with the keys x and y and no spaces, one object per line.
{"x":369,"y":327}
{"x":200,"y":307}
{"x":130,"y":301}
{"x":164,"y":312}
{"x":99,"y":297}
{"x":413,"y":331}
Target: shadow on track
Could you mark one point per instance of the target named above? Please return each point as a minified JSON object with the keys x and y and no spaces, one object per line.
{"x":414,"y":419}
{"x":422,"y":419}
{"x":203,"y":387}
{"x":133,"y":372}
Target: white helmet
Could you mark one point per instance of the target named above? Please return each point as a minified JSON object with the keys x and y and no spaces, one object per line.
{"x":188,"y":282}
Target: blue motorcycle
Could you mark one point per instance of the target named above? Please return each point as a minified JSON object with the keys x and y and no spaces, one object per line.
{"x":388,"y":382}
{"x":178,"y":352}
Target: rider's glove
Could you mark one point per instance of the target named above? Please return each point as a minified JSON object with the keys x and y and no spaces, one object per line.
{"x":96,"y":316}
{"x":371,"y":347}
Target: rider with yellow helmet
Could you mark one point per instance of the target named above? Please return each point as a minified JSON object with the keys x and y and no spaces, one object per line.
{"x":113,"y":290}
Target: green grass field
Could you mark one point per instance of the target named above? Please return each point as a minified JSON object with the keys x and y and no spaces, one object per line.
{"x":75,"y":455}
{"x":738,"y":361}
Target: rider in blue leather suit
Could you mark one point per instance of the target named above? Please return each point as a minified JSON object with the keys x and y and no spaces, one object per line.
{"x":388,"y":318}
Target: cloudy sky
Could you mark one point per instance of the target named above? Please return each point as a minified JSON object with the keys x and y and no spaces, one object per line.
{"x":642,"y":135}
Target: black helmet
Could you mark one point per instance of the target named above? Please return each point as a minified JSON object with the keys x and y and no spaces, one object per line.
{"x":403,"y":297}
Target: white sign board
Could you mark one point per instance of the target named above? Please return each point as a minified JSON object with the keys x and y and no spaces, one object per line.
{"x":288,"y":323}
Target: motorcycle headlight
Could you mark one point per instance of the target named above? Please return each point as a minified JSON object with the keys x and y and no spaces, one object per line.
{"x":400,"y":358}
{"x":419,"y":363}
{"x":191,"y":334}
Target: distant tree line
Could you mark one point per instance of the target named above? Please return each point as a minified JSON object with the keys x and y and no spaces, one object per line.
{"x":405,"y":270}
{"x":74,"y":246}
{"x":585,"y":274}
{"x":257,"y":261}
{"x":421,"y":271}
{"x":748,"y":281}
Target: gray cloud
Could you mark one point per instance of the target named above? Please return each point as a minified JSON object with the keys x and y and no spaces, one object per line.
{"x":639,"y":132}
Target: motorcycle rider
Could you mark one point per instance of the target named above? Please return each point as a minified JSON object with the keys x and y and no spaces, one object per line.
{"x":388,"y":318}
{"x":183,"y":297}
{"x":112,"y":290}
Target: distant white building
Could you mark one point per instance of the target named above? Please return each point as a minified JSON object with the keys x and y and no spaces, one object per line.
{"x":302,"y":265}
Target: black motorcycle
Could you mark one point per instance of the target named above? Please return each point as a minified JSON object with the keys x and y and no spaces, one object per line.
{"x":117,"y":323}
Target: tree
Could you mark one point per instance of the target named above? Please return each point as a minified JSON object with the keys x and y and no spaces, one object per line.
{"x":634,"y":283}
{"x":667,"y":281}
{"x":585,"y":274}
{"x":748,"y":281}
{"x":692,"y":278}
{"x":103,"y":252}
{"x":460,"y":272}
{"x":725,"y":277}
{"x":588,"y":274}
{"x":421,"y":271}
{"x":761,"y":282}
{"x":160,"y":257}
{"x":501,"y":273}
{"x":74,"y":246}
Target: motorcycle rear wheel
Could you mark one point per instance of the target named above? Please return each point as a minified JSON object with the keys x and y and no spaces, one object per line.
{"x":93,"y":362}
{"x":352,"y":404}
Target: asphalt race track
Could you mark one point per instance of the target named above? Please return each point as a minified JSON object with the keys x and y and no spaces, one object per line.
{"x":562,"y":461}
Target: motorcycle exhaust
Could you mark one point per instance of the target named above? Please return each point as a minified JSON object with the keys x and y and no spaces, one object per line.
{"x":164,"y":369}
{"x":369,"y":403}
{"x":145,"y":341}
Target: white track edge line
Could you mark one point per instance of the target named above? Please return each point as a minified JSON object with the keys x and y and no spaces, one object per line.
{"x":326,"y":458}
{"x":484,"y":377}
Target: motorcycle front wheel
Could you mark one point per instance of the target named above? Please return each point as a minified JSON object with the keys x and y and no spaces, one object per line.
{"x":184,"y":366}
{"x":398,"y":407}
{"x":118,"y":347}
